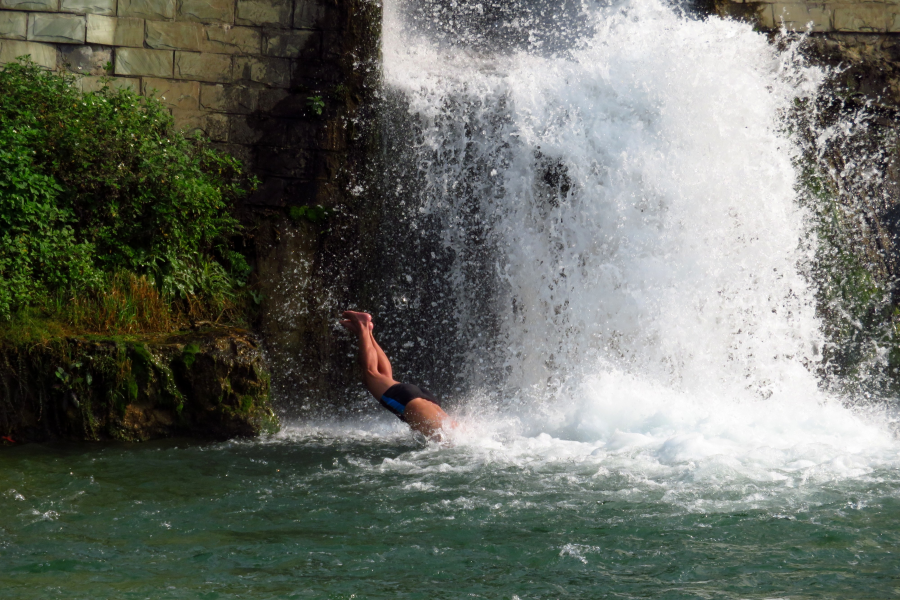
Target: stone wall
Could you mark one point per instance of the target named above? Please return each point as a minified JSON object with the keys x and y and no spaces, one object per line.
{"x":244,"y":72}
{"x":862,"y":38}
{"x":850,"y":17}
{"x":280,"y":84}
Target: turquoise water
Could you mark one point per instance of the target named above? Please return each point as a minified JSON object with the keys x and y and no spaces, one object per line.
{"x":367,"y":511}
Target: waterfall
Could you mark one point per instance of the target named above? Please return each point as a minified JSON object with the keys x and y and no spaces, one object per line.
{"x":595,"y":216}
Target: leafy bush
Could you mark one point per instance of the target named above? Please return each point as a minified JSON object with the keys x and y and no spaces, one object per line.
{"x":99,"y":187}
{"x":38,"y":246}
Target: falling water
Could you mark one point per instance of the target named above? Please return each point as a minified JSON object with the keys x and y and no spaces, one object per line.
{"x":610,"y":207}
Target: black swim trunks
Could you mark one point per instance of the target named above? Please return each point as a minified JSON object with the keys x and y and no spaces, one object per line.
{"x":399,"y":395}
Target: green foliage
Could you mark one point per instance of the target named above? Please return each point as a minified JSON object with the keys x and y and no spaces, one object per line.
{"x":316,"y":104}
{"x":38,"y":246}
{"x":99,"y":184}
{"x":340,"y":92}
{"x":314,"y":214}
{"x":125,"y":303}
{"x":189,"y":354}
{"x":29,"y":326}
{"x":130,"y":388}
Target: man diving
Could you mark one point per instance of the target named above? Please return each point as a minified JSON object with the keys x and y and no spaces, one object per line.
{"x":415,"y":407}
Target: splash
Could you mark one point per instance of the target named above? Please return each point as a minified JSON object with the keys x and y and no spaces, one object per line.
{"x":616,"y":208}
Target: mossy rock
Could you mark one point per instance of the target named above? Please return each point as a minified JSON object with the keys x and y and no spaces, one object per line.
{"x":210,"y":384}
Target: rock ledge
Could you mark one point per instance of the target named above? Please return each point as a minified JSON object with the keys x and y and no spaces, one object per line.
{"x":210,"y":384}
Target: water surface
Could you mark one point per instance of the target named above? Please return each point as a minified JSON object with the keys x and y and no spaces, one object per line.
{"x":367,"y":511}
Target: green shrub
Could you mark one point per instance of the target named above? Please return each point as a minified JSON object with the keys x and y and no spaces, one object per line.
{"x":97,"y":185}
{"x":38,"y":246}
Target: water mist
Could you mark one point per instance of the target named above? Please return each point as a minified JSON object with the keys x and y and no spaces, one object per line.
{"x":595,"y":213}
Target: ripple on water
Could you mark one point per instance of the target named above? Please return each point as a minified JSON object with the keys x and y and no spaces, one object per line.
{"x":365,"y":508}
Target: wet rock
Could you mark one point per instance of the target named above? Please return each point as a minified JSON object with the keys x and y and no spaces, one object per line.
{"x":211,"y":383}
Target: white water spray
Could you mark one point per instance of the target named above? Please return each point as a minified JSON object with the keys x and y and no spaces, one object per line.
{"x":635,"y":198}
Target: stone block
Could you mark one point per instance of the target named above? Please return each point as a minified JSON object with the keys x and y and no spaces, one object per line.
{"x":765,"y":16}
{"x":230,"y":40}
{"x":293,"y":44}
{"x":275,"y":72}
{"x":13,"y":25}
{"x":309,"y":14}
{"x":331,"y":165}
{"x":893,"y":18}
{"x":199,"y":66}
{"x":797,"y":17}
{"x":278,"y":102}
{"x":174,"y":93}
{"x":245,"y":154}
{"x":85,"y":59}
{"x":115,"y":31}
{"x":94,"y":7}
{"x":253,"y":129}
{"x":317,"y":74}
{"x":173,"y":35}
{"x":286,"y":162}
{"x":139,"y":61}
{"x":42,"y":54}
{"x":62,"y":29}
{"x":280,"y":192}
{"x":95,"y":84}
{"x":213,"y":126}
{"x":217,"y":127}
{"x":333,"y":41}
{"x":752,"y":11}
{"x":43,"y":5}
{"x":264,"y":12}
{"x":147,"y":9}
{"x":311,"y":135}
{"x":206,"y":11}
{"x":331,"y":135}
{"x":297,"y":133}
{"x":229,"y":98}
{"x":868,"y":18}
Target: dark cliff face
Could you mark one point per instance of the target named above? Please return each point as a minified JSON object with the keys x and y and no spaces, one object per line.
{"x":849,"y":178}
{"x":314,"y":230}
{"x":869,"y":65}
{"x":862,"y":97}
{"x":206,"y":384}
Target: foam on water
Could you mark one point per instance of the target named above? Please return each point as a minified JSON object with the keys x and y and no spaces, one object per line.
{"x":685,"y":469}
{"x":635,"y":200}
